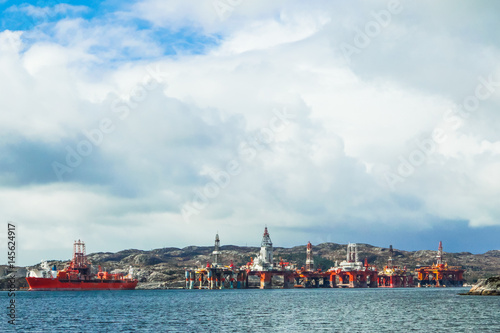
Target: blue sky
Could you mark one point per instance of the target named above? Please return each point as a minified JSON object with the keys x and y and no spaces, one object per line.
{"x":38,"y":19}
{"x":156,"y":123}
{"x":17,"y":15}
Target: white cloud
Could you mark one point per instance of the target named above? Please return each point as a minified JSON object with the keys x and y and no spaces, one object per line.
{"x":351,"y":123}
{"x":48,"y":11}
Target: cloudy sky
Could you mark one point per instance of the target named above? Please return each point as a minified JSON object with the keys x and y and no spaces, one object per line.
{"x":145,"y":124}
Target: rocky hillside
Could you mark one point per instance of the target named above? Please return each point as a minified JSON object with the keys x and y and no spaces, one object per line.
{"x":486,"y":287}
{"x":164,"y":268}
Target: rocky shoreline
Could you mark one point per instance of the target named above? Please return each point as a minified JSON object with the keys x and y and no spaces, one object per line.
{"x":486,"y":287}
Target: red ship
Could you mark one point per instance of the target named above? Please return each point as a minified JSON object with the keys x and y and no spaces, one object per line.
{"x":78,"y":276}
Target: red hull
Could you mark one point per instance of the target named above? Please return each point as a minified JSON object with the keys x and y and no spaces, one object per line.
{"x":56,"y":284}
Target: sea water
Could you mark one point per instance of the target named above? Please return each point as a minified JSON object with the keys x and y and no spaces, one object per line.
{"x":253,"y":310}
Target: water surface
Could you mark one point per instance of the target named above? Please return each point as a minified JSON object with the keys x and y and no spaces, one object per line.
{"x":276,"y":310}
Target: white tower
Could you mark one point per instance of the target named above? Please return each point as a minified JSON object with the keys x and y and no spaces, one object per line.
{"x":352,"y":252}
{"x":266,"y":249}
{"x":439,"y":256}
{"x":352,"y":259}
{"x":216,"y":251}
{"x":309,"y":258}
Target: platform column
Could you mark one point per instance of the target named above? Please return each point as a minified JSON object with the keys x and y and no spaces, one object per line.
{"x":239,"y":281}
{"x":333,"y":280}
{"x":287,"y":278}
{"x":297,"y":280}
{"x":242,"y":280}
{"x":266,"y":280}
{"x":210,"y":280}
{"x":362,"y":280}
{"x":352,"y":280}
{"x":191,"y":280}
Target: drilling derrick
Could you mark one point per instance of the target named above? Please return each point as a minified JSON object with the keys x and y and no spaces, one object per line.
{"x":352,"y":253}
{"x":266,"y":249}
{"x":439,"y":257}
{"x":308,"y":277}
{"x":309,"y":258}
{"x":216,"y":251}
{"x":391,"y":254}
{"x":264,"y":261}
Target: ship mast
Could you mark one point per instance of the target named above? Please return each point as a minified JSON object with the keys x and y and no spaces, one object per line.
{"x":79,"y":255}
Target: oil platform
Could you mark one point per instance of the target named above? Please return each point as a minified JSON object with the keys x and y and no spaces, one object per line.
{"x":440,"y":274}
{"x":216,"y":275}
{"x":308,"y":277}
{"x":350,"y":273}
{"x":265,"y":268}
{"x":394,"y":276}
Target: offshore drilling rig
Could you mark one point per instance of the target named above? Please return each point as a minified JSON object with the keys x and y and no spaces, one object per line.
{"x":216,"y":275}
{"x":350,"y":273}
{"x":264,"y":267}
{"x":440,"y":274}
{"x":309,"y":277}
{"x":394,"y":276}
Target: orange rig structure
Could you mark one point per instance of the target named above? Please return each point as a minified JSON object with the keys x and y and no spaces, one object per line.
{"x":216,"y":275}
{"x":265,"y":268}
{"x":394,"y":276}
{"x":308,"y":277}
{"x":440,"y":274}
{"x":350,"y":273}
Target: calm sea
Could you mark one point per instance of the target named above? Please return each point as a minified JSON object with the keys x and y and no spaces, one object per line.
{"x":277,"y":310}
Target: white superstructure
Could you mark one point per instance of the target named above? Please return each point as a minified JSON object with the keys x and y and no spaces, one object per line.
{"x":43,"y":272}
{"x":264,"y":261}
{"x":352,"y":262}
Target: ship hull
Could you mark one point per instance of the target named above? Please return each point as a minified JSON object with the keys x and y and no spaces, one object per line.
{"x":56,"y":284}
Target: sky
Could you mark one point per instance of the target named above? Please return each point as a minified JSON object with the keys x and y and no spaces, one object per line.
{"x":157,"y":123}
